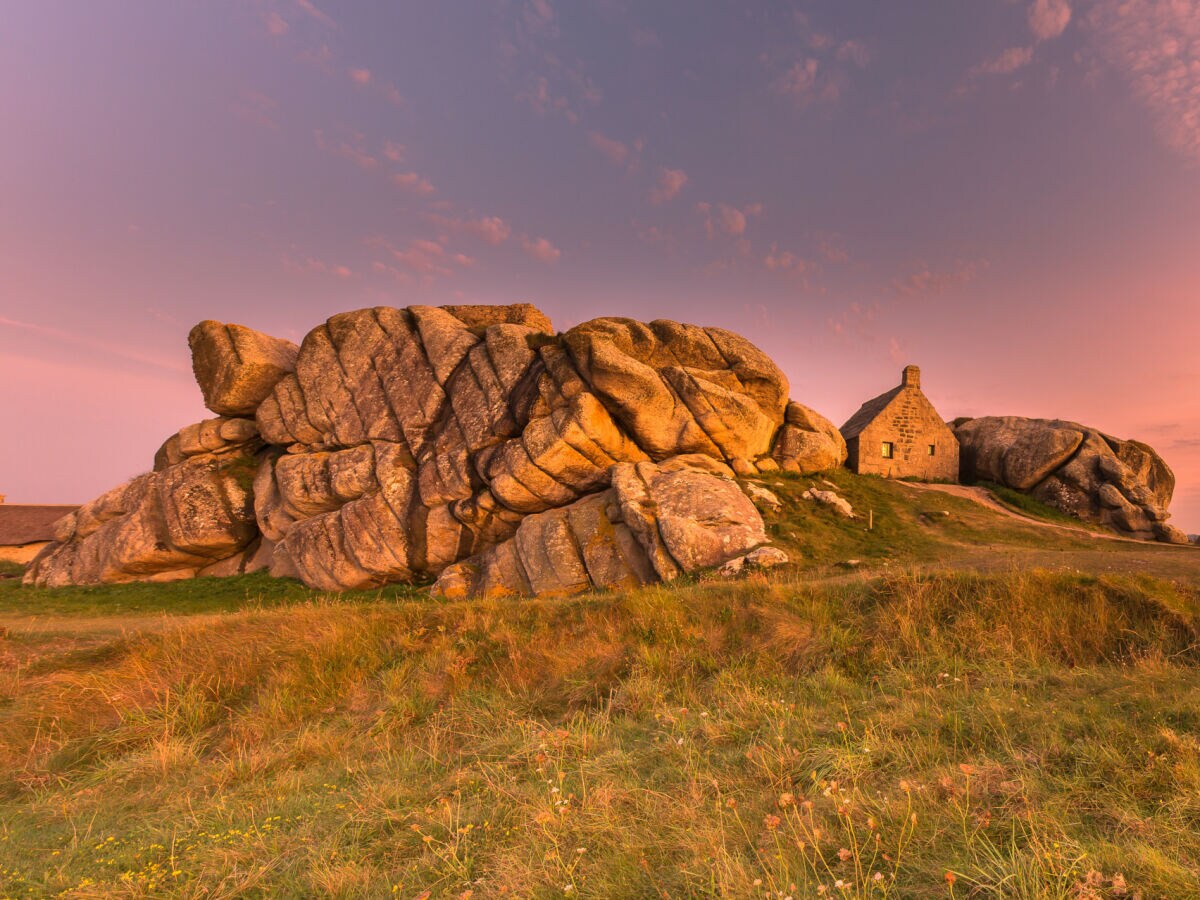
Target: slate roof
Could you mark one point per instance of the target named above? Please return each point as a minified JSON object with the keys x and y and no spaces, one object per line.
{"x":867,"y":412}
{"x":21,"y":524}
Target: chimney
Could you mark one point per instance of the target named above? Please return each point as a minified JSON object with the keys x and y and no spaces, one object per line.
{"x":911,"y":377}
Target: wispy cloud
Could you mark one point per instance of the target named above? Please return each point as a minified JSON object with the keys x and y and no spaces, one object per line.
{"x":422,"y":258}
{"x":361,"y":77}
{"x":312,"y":11}
{"x":413,"y":183}
{"x":1049,"y":18}
{"x":723,"y":218}
{"x":670,"y":182}
{"x":351,"y":148}
{"x":257,"y":109}
{"x":923,"y":280}
{"x":312,"y":265}
{"x":616,"y":152}
{"x":489,"y":229}
{"x":778,"y":260}
{"x":1004,"y":63}
{"x":75,"y":339}
{"x":1155,"y":46}
{"x":541,"y":249}
{"x":276,"y":24}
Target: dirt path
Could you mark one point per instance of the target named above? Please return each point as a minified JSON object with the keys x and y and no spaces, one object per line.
{"x":985,"y":498}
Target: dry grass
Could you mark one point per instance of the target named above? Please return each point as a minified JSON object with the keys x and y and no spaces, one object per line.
{"x":1029,"y":734}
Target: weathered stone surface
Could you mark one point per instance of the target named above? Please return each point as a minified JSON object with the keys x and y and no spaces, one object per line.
{"x":1076,"y":469}
{"x":210,"y":436}
{"x":652,"y":525}
{"x":395,"y":443}
{"x":756,"y":560}
{"x":831,"y":499}
{"x":162,"y":525}
{"x":807,"y":443}
{"x":762,"y":497}
{"x":236,"y":367}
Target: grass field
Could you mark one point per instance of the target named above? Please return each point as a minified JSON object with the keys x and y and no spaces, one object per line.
{"x":931,"y":722}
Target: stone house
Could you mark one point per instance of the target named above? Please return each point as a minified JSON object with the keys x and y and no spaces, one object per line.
{"x":25,"y":530}
{"x":900,"y":435}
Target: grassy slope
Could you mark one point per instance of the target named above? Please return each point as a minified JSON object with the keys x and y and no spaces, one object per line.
{"x":704,"y":739}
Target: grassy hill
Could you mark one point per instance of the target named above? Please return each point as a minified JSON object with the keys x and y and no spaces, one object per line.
{"x":980,"y":707}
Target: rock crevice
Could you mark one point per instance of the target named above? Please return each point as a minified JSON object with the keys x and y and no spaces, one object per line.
{"x":470,"y":444}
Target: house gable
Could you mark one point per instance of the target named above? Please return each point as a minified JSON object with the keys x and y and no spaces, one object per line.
{"x":900,"y":434}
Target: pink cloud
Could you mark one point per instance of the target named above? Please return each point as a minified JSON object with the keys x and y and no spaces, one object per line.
{"x":277,"y":25}
{"x":392,"y":94}
{"x":360,"y":77}
{"x":489,"y":229}
{"x":615,"y":151}
{"x":413,"y":183}
{"x":1155,"y":46}
{"x":855,"y":52}
{"x":670,"y":183}
{"x":320,"y":58}
{"x":544,"y":101}
{"x":350,"y":149}
{"x":1048,"y":18}
{"x":423,"y":258}
{"x":783,"y":261}
{"x":925,"y":281}
{"x":725,"y":218}
{"x":855,"y":321}
{"x":313,"y":265}
{"x":1006,"y":63}
{"x":393,"y":151}
{"x":541,"y":249}
{"x":800,"y":80}
{"x":538,"y":16}
{"x":257,"y":109}
{"x":315,"y":13}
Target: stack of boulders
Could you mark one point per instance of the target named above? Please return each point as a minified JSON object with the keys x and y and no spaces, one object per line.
{"x":1073,"y":468}
{"x":467,"y":442}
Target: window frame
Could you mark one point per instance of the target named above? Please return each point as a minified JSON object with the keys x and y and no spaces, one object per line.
{"x":888,"y":449}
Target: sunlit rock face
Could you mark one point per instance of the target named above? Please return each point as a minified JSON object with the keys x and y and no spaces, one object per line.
{"x":1076,"y":469}
{"x":397,"y":444}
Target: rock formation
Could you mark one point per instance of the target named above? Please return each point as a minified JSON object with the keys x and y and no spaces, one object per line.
{"x":1075,"y":469}
{"x":470,"y":442}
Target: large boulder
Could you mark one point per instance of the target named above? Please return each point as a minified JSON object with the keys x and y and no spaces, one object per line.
{"x":236,"y":366}
{"x":1076,"y":469}
{"x":396,"y":443}
{"x":652,"y":525}
{"x":160,"y":526}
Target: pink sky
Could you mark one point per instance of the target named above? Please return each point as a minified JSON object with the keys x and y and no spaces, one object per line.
{"x":1005,"y":193}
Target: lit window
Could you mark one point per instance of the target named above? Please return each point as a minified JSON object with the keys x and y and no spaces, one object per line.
{"x":933,"y":449}
{"x":889,"y":449}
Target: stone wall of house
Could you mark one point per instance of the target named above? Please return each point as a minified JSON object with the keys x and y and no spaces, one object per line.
{"x":911,"y":424}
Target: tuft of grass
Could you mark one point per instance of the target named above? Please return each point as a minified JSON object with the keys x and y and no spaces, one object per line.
{"x":195,"y":595}
{"x":921,"y":733}
{"x":11,"y":569}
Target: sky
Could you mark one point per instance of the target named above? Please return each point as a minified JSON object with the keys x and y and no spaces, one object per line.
{"x":1005,"y":193}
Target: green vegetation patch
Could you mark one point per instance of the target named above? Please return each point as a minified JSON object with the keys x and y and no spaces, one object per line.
{"x":1027,"y":734}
